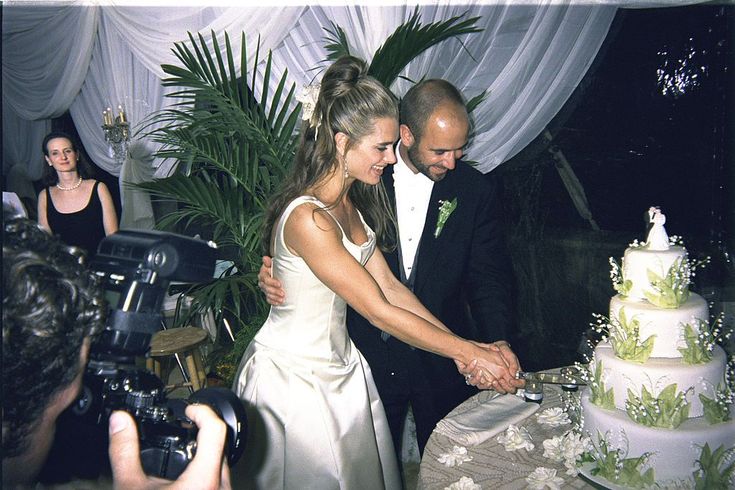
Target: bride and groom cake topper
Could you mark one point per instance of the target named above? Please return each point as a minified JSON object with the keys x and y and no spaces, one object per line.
{"x":657,"y":238}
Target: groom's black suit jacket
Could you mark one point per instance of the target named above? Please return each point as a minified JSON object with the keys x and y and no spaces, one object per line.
{"x":463,"y":277}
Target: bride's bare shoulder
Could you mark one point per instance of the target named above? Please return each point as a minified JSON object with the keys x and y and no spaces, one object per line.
{"x":310,"y":220}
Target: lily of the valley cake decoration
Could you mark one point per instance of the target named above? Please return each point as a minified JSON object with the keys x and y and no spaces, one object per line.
{"x":446,"y":208}
{"x":669,"y":409}
{"x":614,"y":465}
{"x":618,"y":281}
{"x":599,"y":395}
{"x":715,"y":469}
{"x":700,"y":341}
{"x":671,"y":290}
{"x":624,"y":336}
{"x":717,"y":409}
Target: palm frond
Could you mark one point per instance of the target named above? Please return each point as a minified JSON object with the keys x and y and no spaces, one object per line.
{"x":476,"y":100}
{"x":336,"y":42}
{"x":411,"y":39}
{"x":232,"y":148}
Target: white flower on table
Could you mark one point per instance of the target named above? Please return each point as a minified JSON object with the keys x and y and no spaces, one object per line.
{"x":575,"y":445}
{"x":515,"y":438}
{"x":567,"y":449}
{"x":554,"y":417}
{"x":554,"y":448}
{"x":456,"y":457}
{"x":544,"y":478}
{"x":464,"y":483}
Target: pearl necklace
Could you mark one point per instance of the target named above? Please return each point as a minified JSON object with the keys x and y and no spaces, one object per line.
{"x":71,"y":188}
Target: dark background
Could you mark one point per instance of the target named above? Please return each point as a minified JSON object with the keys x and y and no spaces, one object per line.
{"x":633,"y":141}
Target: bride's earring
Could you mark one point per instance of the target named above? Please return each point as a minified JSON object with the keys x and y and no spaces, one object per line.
{"x":347,"y":172}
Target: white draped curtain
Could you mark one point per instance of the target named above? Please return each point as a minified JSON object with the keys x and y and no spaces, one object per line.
{"x":84,"y":58}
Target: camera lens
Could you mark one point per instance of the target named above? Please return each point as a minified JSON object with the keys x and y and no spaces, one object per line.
{"x":228,"y":406}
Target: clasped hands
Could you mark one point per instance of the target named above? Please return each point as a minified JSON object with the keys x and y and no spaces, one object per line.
{"x":495,"y":369}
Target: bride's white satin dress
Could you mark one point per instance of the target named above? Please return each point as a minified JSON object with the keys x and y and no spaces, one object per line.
{"x":314,"y":414}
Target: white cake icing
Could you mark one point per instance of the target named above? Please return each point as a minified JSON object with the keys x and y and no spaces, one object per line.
{"x":674,"y":451}
{"x":657,"y":373}
{"x":638,"y":261}
{"x":667,"y":324}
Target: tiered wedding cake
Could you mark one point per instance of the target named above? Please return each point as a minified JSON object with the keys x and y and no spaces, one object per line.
{"x":658,"y":389}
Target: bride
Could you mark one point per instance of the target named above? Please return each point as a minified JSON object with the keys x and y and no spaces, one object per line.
{"x":315,"y":418}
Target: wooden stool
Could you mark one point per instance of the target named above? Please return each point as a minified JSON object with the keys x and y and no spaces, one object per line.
{"x":175,"y":341}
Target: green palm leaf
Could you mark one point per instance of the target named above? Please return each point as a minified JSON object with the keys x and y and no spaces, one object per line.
{"x":336,"y":42}
{"x":411,"y":39}
{"x":232,"y":149}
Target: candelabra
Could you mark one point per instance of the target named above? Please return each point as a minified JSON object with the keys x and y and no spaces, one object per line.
{"x":117,"y":133}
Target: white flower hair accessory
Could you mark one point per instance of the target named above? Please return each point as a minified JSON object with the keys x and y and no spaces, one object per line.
{"x":308,"y":97}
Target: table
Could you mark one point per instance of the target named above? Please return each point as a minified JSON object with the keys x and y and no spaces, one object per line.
{"x":492,"y":466}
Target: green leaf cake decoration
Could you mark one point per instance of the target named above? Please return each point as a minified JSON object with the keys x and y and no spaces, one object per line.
{"x":625,"y":339}
{"x":668,"y":410}
{"x":598,"y":395}
{"x":714,"y":410}
{"x":717,"y":409}
{"x":624,"y":336}
{"x":713,"y":470}
{"x":700,"y":344}
{"x":612,"y":465}
{"x":671,"y":290}
{"x":697,"y":350}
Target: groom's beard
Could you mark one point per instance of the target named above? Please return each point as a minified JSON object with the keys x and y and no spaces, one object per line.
{"x":413,"y":155}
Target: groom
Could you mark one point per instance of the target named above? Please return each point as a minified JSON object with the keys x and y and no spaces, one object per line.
{"x":454,"y":261}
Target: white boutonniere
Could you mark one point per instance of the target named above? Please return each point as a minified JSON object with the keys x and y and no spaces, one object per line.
{"x":446,"y":208}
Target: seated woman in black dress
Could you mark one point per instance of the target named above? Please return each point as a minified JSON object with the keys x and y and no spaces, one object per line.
{"x":77,"y":208}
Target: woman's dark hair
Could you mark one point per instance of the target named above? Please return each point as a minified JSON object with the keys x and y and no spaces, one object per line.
{"x":50,"y":177}
{"x":51,"y":303}
{"x":349,"y":101}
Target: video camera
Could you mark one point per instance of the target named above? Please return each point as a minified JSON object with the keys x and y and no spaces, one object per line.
{"x":136,"y":268}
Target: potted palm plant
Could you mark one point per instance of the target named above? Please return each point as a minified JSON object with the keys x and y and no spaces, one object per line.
{"x":232,"y":149}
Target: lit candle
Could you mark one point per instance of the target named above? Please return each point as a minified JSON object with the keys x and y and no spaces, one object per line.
{"x":108,"y":116}
{"x":121,"y":115}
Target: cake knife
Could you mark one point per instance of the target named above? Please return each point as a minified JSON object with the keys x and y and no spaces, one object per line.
{"x":551,"y":378}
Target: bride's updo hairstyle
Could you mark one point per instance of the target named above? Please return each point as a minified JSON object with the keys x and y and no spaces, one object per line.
{"x":349,"y":101}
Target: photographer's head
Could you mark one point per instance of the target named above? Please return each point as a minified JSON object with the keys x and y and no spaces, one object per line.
{"x":52,"y":305}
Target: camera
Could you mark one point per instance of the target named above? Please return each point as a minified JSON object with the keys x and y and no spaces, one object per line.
{"x":136,"y":269}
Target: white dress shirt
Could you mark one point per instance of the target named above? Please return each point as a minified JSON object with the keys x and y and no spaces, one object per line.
{"x":413,"y":192}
